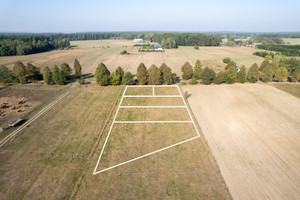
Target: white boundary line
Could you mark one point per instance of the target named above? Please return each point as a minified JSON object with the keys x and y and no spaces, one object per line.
{"x":114,"y":121}
{"x":151,"y":85}
{"x":142,"y":122}
{"x":15,"y":132}
{"x":152,"y":96}
{"x":147,"y":154}
{"x":152,"y":106}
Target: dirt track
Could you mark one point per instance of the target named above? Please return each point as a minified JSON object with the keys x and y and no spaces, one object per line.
{"x":254,"y":134}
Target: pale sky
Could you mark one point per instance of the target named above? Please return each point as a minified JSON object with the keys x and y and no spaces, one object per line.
{"x":151,"y":15}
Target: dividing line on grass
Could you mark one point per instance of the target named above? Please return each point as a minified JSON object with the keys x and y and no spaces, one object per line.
{"x":188,"y":111}
{"x":15,"y":132}
{"x":152,"y":96}
{"x":114,"y":121}
{"x":143,"y":122}
{"x":148,"y":154}
{"x":152,"y":106}
{"x":151,"y":86}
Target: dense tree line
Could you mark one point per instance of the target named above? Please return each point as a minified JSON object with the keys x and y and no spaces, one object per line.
{"x":152,"y":76}
{"x":11,"y":45}
{"x":24,"y":73}
{"x":264,"y":54}
{"x":287,"y":50}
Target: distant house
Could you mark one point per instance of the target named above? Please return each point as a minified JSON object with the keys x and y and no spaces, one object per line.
{"x":237,"y":68}
{"x":138,"y":40}
{"x":157,"y":47}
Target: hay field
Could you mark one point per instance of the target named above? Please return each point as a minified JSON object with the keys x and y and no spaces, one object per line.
{"x":253,"y":132}
{"x":175,"y":58}
{"x":91,"y":53}
{"x":54,"y":158}
{"x":292,"y":41}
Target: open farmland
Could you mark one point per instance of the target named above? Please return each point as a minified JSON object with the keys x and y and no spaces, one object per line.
{"x":54,"y":158}
{"x":91,"y":53}
{"x":253,"y":132}
{"x":18,"y":101}
{"x":291,"y":41}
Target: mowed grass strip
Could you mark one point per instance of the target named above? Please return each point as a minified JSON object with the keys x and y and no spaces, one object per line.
{"x":153,"y":114}
{"x":153,"y":101}
{"x":46,"y":159}
{"x":139,"y":91}
{"x":293,"y":89}
{"x":166,"y":91}
{"x":128,"y":141}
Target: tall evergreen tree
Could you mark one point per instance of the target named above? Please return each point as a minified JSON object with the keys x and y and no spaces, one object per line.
{"x":102,"y":75}
{"x":77,"y":68}
{"x":154,"y":76}
{"x":142,"y":74}
{"x":253,"y":73}
{"x":20,"y":72}
{"x":166,"y":74}
{"x":57,"y":76}
{"x":187,"y":71}
{"x":6,"y":76}
{"x":241,"y":76}
{"x":230,"y":74}
{"x":198,"y":70}
{"x":47,"y":76}
{"x":230,"y":64}
{"x":66,"y":70}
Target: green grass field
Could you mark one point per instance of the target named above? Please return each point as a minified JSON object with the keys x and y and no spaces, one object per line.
{"x":292,"y":41}
{"x":54,"y":158}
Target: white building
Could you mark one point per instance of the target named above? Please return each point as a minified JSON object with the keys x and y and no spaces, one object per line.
{"x":138,"y":40}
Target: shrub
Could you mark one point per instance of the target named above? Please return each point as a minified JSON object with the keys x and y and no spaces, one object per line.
{"x":6,"y":75}
{"x":196,"y":47}
{"x":123,"y":52}
{"x":226,"y":60}
{"x":295,"y":75}
{"x":193,"y":81}
{"x":81,"y":81}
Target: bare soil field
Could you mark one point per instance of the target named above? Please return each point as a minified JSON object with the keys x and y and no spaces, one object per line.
{"x":54,"y":158}
{"x":174,"y":58}
{"x":17,"y":101}
{"x":253,"y":132}
{"x":91,"y":53}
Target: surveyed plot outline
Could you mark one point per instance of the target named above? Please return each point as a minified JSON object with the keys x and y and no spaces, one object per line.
{"x":146,"y":96}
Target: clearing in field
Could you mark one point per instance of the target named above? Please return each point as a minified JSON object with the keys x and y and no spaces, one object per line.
{"x":142,"y":129}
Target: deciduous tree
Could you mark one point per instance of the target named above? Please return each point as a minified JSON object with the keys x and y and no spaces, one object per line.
{"x":120,"y":71}
{"x":295,"y":75}
{"x":77,"y":68}
{"x":253,"y":73}
{"x":220,"y":78}
{"x":154,"y":76}
{"x":47,"y":76}
{"x":58,"y":76}
{"x":208,"y":76}
{"x":102,"y":75}
{"x":241,"y":76}
{"x":142,"y":74}
{"x":187,"y":71}
{"x":115,"y":78}
{"x":6,"y":75}
{"x":66,"y":70}
{"x":281,"y":74}
{"x":268,"y":73}
{"x":198,"y":70}
{"x":230,"y":74}
{"x":20,"y":72}
{"x":128,"y":79}
{"x":166,"y":74}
